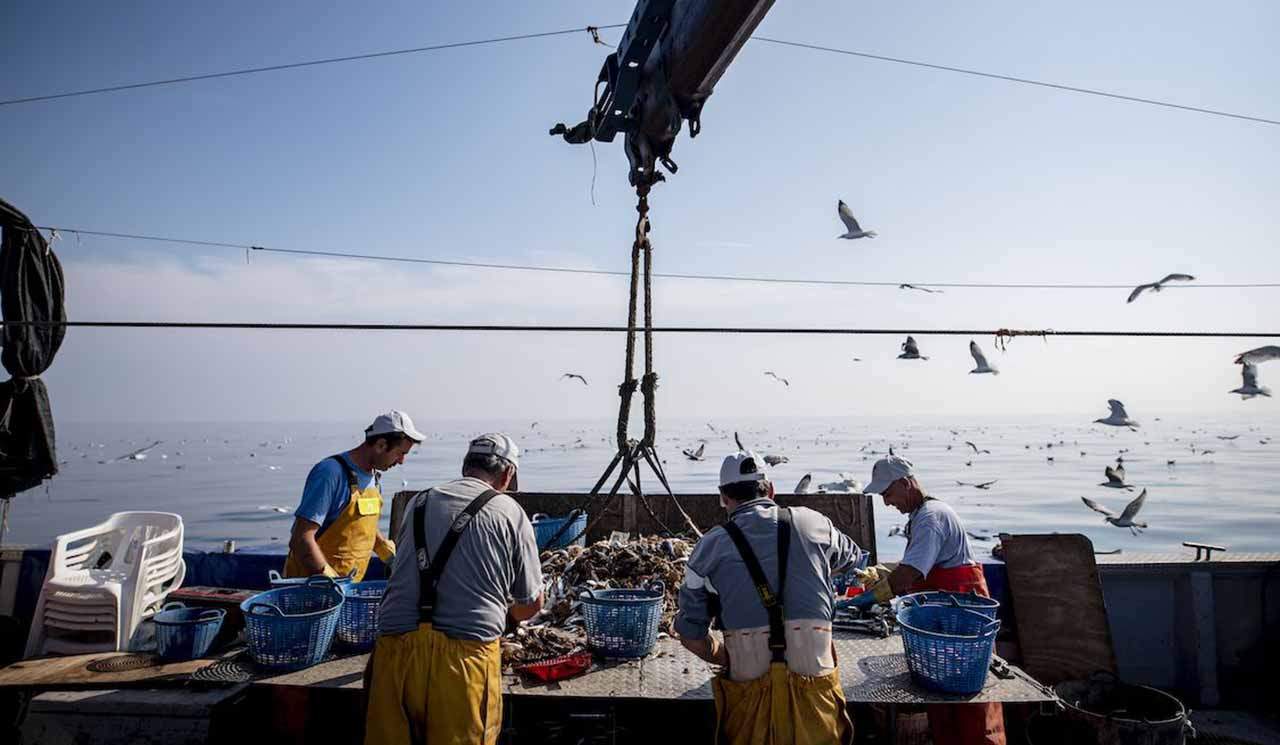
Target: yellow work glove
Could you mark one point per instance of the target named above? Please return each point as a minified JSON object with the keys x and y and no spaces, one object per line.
{"x":385,"y":548}
{"x":871,"y":575}
{"x":330,"y":572}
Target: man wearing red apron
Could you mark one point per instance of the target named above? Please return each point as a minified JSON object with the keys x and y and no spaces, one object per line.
{"x":938,"y":557}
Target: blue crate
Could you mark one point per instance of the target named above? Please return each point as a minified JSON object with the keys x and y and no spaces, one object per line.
{"x":184,"y":633}
{"x":358,"y":619}
{"x":967,"y":600}
{"x":623,"y":623}
{"x":545,"y":528}
{"x":292,"y":627}
{"x":948,"y":648}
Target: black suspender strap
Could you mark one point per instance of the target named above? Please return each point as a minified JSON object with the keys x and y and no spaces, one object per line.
{"x":430,"y":570}
{"x":351,"y":474}
{"x":773,"y":603}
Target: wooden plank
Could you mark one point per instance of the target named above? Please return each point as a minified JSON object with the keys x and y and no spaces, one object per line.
{"x":95,"y":671}
{"x":1061,"y":618}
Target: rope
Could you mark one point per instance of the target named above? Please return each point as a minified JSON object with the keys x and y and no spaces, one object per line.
{"x":649,"y":384}
{"x":580,"y":329}
{"x":664,"y":275}
{"x":1004,"y":336}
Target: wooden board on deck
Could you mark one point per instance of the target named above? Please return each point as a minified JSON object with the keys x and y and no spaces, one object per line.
{"x":96,"y":671}
{"x":1063,"y":633}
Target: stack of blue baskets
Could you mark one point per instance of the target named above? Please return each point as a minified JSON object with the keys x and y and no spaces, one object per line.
{"x":184,"y":633}
{"x":623,"y":623}
{"x":547,"y":528}
{"x":358,"y":619}
{"x":291,"y":627}
{"x":949,"y":639}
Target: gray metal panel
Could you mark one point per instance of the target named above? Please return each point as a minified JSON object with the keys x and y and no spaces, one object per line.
{"x":1141,"y":613}
{"x":871,"y":671}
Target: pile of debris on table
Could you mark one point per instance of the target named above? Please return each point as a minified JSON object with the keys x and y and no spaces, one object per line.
{"x":567,"y":572}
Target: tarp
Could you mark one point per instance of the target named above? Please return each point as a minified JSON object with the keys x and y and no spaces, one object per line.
{"x":31,"y":289}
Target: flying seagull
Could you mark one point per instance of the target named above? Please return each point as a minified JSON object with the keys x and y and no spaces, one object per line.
{"x":1250,"y":388}
{"x":984,"y":485}
{"x":1125,"y":520}
{"x":905,"y":286}
{"x":695,"y":454}
{"x":1115,"y":478}
{"x":778,"y":378}
{"x":852,"y":228}
{"x":1157,"y":286}
{"x":803,"y":486}
{"x":1259,"y":355}
{"x":975,"y":448}
{"x":981,"y":360}
{"x":911,"y":350}
{"x":574,"y":376}
{"x":139,"y":454}
{"x":1118,"y":417}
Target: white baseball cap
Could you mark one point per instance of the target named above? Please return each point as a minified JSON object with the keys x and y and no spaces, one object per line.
{"x":886,"y":471}
{"x":394,"y":422}
{"x":742,"y":466}
{"x":496,"y":443}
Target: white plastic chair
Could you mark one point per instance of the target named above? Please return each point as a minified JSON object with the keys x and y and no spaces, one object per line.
{"x":104,"y":581}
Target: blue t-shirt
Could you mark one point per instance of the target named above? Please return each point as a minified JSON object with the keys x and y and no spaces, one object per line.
{"x":326,"y":493}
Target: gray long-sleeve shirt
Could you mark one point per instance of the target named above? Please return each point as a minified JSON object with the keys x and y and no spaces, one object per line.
{"x":817,"y":550}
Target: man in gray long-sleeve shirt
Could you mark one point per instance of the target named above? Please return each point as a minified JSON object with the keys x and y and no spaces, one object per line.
{"x":763,"y":662}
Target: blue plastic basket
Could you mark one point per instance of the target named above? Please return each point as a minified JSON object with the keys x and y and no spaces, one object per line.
{"x":292,"y":627}
{"x":545,"y":528}
{"x":967,"y":600}
{"x":184,"y":633}
{"x":358,"y":619}
{"x":623,"y":623}
{"x":948,"y":648}
{"x":277,"y":580}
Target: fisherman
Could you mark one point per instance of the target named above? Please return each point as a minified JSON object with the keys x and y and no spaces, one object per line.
{"x":766,"y":574}
{"x":436,"y":671}
{"x":336,"y":524}
{"x":938,"y":557}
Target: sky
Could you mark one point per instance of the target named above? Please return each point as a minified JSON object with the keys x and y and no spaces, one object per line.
{"x":446,"y":155}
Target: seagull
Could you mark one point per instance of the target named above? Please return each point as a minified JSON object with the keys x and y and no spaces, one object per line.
{"x":1157,"y":286}
{"x":1250,"y":387}
{"x":846,"y":484}
{"x":857,"y":359}
{"x":898,"y":531}
{"x":778,"y":378}
{"x":1125,"y":520}
{"x":1227,"y":437}
{"x":139,"y":454}
{"x":911,"y":350}
{"x":574,"y":376}
{"x":774,"y":460}
{"x":1118,"y":417}
{"x":852,"y":229}
{"x":274,"y":508}
{"x":981,"y":360}
{"x":803,"y":486}
{"x":1259,"y":355}
{"x":905,"y":286}
{"x":695,"y":454}
{"x":976,"y":451}
{"x":984,"y":485}
{"x":1115,"y":478}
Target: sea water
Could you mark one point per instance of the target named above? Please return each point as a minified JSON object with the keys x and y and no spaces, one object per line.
{"x":242,"y":481}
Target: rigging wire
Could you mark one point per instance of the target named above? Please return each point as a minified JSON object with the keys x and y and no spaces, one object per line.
{"x":594,"y":31}
{"x":577,"y":329}
{"x":308,"y":63}
{"x":664,"y":275}
{"x":1015,"y":79}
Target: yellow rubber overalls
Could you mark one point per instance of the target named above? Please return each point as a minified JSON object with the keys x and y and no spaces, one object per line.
{"x":348,"y":541}
{"x":780,"y":707}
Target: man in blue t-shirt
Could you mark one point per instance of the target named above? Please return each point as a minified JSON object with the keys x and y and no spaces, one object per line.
{"x":336,"y":524}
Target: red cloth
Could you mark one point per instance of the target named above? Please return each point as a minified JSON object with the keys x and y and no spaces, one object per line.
{"x":962,"y":724}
